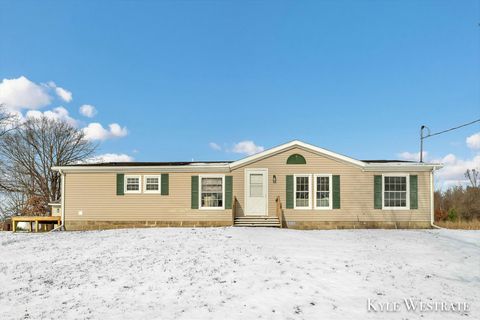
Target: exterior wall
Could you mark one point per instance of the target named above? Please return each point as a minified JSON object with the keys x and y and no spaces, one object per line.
{"x":103,"y":225}
{"x":56,"y":210}
{"x":356,"y":190}
{"x":94,"y":194}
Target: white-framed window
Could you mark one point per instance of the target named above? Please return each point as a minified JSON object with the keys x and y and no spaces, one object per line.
{"x":322,"y":184}
{"x":212,"y":191}
{"x":133,"y":184}
{"x":395,"y":191}
{"x":256,"y":185}
{"x":151,"y":184}
{"x":302,"y":191}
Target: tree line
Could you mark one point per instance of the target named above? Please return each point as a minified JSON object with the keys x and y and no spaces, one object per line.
{"x":29,"y":148}
{"x":459,"y":203}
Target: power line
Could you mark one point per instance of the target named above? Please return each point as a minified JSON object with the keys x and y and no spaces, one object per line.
{"x":422,"y":137}
{"x":451,"y":129}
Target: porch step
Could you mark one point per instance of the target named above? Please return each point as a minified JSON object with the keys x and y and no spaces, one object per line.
{"x":257,"y":221}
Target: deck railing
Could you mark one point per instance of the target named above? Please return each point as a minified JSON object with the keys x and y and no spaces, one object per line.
{"x":234,"y":210}
{"x":279,"y":211}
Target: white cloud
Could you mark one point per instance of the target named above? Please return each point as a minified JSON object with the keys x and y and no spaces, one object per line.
{"x":95,"y":131}
{"x":453,"y":172}
{"x":88,"y":110}
{"x":58,"y":114}
{"x":111,"y":157}
{"x":412,"y":156}
{"x":118,"y":131}
{"x":62,"y":93}
{"x":247,"y":147}
{"x":214,"y":146}
{"x":65,"y":95}
{"x":21,"y":93}
{"x":473,"y":142}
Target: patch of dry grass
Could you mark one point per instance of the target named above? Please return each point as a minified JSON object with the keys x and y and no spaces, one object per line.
{"x":460,"y":224}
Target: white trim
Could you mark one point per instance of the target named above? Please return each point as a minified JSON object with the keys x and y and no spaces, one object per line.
{"x":200,"y":191}
{"x":125,"y":191}
{"x":55,"y":204}
{"x":401,"y":167}
{"x":145,"y":177}
{"x":223,"y":167}
{"x":330,"y":193}
{"x":247,"y":187}
{"x":309,"y":191}
{"x":63,"y":197}
{"x":432,"y":195}
{"x":407,"y":196}
{"x":227,"y":167}
{"x":292,"y":144}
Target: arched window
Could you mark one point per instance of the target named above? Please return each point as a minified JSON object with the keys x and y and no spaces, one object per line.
{"x":296,"y":159}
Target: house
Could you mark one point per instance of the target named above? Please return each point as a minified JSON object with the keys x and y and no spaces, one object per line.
{"x":294,"y":185}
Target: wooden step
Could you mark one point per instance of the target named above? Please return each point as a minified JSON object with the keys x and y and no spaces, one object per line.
{"x":257,"y":221}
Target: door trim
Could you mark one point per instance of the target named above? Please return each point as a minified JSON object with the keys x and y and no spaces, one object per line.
{"x":246,"y":185}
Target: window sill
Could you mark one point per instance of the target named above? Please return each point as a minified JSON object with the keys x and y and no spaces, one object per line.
{"x":323,"y":208}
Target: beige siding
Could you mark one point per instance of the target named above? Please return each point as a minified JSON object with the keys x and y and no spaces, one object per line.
{"x":356,"y":191}
{"x":94,"y":194}
{"x":56,"y":210}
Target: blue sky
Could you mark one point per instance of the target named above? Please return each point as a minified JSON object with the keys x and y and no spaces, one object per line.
{"x":355,"y":77}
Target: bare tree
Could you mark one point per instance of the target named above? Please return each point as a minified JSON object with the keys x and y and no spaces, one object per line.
{"x":8,"y":121}
{"x":30,"y":152}
{"x":473,"y":176}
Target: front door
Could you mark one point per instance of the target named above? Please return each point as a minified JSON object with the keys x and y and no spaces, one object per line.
{"x":256,"y":192}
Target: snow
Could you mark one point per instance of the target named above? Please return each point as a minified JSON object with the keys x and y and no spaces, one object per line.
{"x":235,"y":273}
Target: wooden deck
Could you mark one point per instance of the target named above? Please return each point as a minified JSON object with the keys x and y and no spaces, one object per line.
{"x":35,"y":219}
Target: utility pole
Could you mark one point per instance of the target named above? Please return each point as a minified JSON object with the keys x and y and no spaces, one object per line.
{"x":423,"y":127}
{"x":428,"y":135}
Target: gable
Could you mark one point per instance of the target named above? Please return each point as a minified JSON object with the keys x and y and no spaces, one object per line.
{"x":296,"y":145}
{"x":313,"y":161}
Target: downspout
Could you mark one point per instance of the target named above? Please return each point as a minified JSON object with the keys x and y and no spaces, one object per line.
{"x":432,"y":208}
{"x":61,"y":227}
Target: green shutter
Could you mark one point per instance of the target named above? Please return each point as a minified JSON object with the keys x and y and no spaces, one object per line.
{"x":165,"y":183}
{"x":289,"y":202}
{"x":377,"y":192}
{"x":228,"y":192}
{"x":194,"y":192}
{"x":414,"y":192}
{"x":120,"y":183}
{"x":336,"y":192}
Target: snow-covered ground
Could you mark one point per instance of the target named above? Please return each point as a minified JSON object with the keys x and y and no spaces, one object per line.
{"x":236,"y":273}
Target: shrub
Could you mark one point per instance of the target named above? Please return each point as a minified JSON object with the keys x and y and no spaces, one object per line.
{"x":452,"y":214}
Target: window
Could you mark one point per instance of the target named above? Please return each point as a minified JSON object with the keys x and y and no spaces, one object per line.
{"x":211,"y":192}
{"x":302,"y":192}
{"x":132,"y":184}
{"x":395,"y":191}
{"x":323,"y":188}
{"x":256,"y":185}
{"x":151,"y":184}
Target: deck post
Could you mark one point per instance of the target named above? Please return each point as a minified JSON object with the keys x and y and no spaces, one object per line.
{"x":36,"y":226}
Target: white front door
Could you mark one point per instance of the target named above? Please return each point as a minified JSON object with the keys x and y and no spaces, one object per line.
{"x":256,"y":192}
